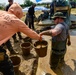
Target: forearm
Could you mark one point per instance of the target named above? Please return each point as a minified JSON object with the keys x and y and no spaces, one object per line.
{"x":32,"y":34}
{"x":29,"y":32}
{"x":49,"y":33}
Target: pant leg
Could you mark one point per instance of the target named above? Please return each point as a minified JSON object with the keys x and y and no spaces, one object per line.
{"x":32,"y":23}
{"x":54,"y":60}
{"x":62,"y":58}
{"x":9,"y":45}
{"x":14,"y":37}
{"x":19,"y":34}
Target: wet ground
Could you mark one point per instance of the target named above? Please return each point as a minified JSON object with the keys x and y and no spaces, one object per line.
{"x":30,"y":63}
{"x":69,"y":68}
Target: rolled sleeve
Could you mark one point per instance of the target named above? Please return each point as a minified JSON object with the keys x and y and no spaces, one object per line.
{"x":57,"y":30}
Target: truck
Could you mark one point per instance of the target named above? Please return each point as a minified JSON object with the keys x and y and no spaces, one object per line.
{"x":71,"y":18}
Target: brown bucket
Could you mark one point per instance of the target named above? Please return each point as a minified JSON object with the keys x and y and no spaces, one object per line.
{"x":16,"y":62}
{"x":41,"y":48}
{"x":26,"y":47}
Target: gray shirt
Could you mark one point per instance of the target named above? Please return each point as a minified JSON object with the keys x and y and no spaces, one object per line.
{"x":62,"y":30}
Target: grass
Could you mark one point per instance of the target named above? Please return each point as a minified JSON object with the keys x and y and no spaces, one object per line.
{"x":37,"y":13}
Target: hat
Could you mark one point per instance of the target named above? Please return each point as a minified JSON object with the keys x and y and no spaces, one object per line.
{"x":58,"y":14}
{"x":10,"y":0}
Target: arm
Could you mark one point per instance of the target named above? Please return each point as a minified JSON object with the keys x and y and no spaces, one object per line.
{"x":22,"y":27}
{"x":51,"y":32}
{"x":47,"y":32}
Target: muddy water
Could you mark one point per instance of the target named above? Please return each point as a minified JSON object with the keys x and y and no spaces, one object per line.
{"x":40,"y":46}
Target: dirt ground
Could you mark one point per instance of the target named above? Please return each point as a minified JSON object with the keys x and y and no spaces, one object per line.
{"x":28,"y":64}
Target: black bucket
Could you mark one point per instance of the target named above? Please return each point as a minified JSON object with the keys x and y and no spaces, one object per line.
{"x":26,"y":47}
{"x":41,"y":48}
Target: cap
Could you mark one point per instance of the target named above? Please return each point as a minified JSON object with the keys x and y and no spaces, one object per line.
{"x":58,"y":14}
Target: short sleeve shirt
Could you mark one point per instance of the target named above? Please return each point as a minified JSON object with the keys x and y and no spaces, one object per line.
{"x":63,"y":30}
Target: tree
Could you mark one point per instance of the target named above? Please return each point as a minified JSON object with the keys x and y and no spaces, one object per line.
{"x":2,"y":6}
{"x":28,"y":2}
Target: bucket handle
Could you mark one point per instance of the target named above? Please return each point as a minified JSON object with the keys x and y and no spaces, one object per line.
{"x":32,"y":45}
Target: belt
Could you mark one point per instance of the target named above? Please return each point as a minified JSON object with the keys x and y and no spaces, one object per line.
{"x":58,"y":50}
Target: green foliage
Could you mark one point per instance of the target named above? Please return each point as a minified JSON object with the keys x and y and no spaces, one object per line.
{"x":2,"y":6}
{"x":27,"y":3}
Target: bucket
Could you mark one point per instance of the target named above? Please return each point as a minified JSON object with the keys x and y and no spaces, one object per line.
{"x":26,"y":47}
{"x":27,"y":39}
{"x":41,"y":48}
{"x":16,"y":62}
